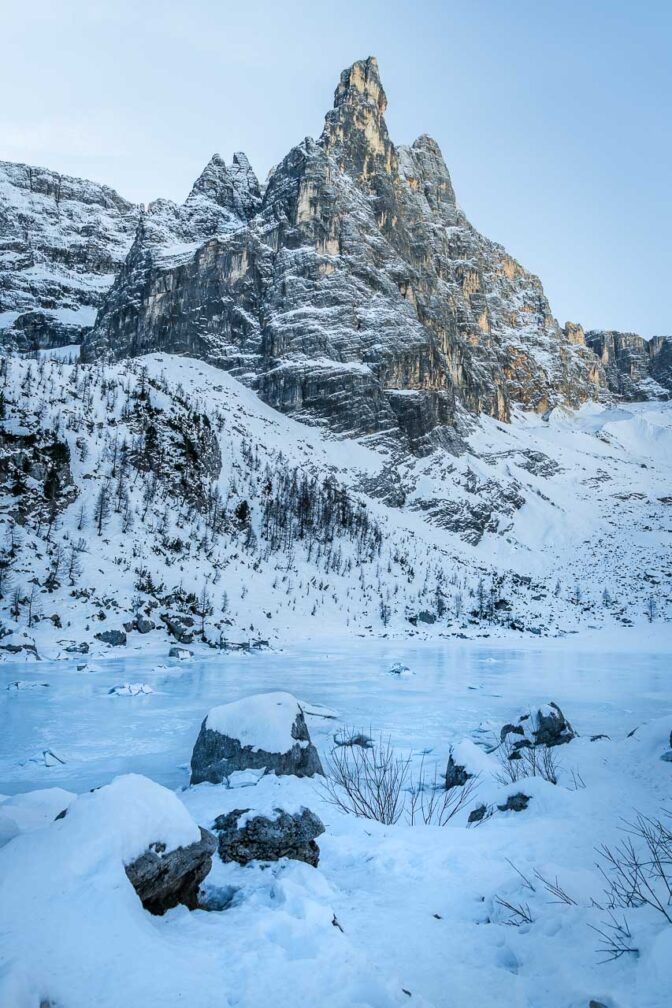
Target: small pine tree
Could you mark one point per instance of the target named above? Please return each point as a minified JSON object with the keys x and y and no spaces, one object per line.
{"x":101,"y":511}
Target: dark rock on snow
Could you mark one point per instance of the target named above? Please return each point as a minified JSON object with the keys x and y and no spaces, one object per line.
{"x":456,"y":775}
{"x":515,"y":803}
{"x":116,"y":638}
{"x":162,"y":879}
{"x":263,"y":839}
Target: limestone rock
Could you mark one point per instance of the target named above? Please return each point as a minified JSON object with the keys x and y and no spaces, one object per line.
{"x":260,"y":838}
{"x":162,"y":879}
{"x":263,"y":731}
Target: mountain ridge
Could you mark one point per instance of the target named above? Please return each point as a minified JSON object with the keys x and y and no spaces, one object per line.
{"x":358,"y":256}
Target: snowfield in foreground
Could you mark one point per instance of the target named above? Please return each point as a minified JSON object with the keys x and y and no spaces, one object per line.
{"x":497,"y":910}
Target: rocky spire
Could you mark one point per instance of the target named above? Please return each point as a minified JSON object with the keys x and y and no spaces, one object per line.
{"x":355,"y":132}
{"x":423,"y":169}
{"x":234,"y":187}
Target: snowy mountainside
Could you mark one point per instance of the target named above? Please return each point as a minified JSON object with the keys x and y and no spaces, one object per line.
{"x":62,"y":240}
{"x":158,"y":501}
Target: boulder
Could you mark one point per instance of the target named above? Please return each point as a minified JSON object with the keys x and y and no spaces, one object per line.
{"x":245,"y":838}
{"x":179,"y":652}
{"x":144,"y":625}
{"x":477,"y":814}
{"x":456,"y":775}
{"x":179,"y":627}
{"x":263,"y":731}
{"x":117,"y":638}
{"x":162,"y":879}
{"x":546,"y":726}
{"x":551,"y":728}
{"x":82,"y":648}
{"x":515,"y":803}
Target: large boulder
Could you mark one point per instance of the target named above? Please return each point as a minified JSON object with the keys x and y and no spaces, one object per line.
{"x":162,"y":878}
{"x":267,"y":731}
{"x":545,"y":726}
{"x":244,"y":837}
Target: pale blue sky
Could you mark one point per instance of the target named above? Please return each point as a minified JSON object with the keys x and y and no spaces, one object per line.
{"x":553,"y":115}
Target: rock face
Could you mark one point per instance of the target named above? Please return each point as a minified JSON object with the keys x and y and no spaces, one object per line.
{"x":62,"y":240}
{"x":267,"y":731}
{"x":635,"y":368}
{"x":162,"y":879}
{"x":260,"y":838}
{"x":352,"y":292}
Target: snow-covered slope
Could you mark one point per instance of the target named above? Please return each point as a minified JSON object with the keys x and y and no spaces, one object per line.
{"x":62,"y":240}
{"x":163,"y":495}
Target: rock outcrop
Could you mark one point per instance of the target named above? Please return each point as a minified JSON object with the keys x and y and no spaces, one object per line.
{"x":62,"y":241}
{"x":267,"y":731}
{"x":635,"y":368}
{"x":162,"y":879}
{"x":244,"y":837}
{"x":352,"y":292}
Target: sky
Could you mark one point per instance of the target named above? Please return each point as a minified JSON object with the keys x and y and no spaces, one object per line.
{"x":553,"y":115}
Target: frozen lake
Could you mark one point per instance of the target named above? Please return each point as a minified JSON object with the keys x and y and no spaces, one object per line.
{"x":454,"y":689}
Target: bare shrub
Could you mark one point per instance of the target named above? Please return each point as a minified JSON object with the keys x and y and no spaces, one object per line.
{"x":528,"y":761}
{"x":365,"y":777}
{"x":519,"y":913}
{"x":638,"y":871}
{"x":430,"y":803}
{"x":615,"y":938}
{"x":367,"y":782}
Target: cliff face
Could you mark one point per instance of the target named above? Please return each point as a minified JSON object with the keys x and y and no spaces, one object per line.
{"x":62,"y":241}
{"x":635,"y":368}
{"x":352,"y":292}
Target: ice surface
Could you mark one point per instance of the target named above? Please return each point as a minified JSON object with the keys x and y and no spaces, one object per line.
{"x":390,"y":909}
{"x":455,"y":688}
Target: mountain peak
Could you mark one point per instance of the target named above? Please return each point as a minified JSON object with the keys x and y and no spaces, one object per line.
{"x":234,"y":187}
{"x":355,"y":132}
{"x":361,"y":81}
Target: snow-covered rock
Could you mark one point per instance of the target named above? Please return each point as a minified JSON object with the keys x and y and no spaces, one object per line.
{"x":265,"y":730}
{"x":131,"y":689}
{"x":245,"y":836}
{"x":544,"y":726}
